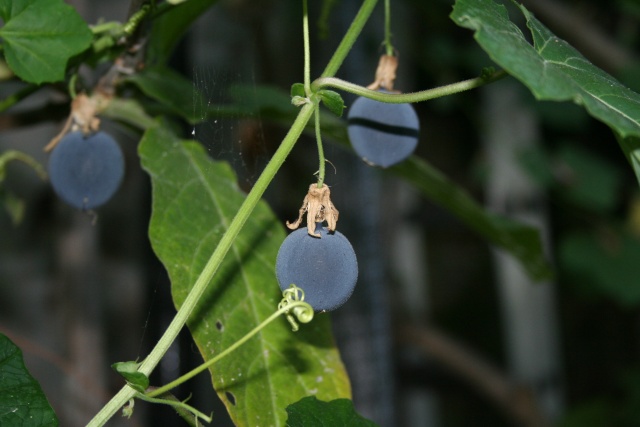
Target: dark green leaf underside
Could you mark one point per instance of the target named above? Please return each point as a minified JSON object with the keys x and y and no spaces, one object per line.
{"x":551,"y":68}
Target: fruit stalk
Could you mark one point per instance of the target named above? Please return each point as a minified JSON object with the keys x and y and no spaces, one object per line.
{"x":412,"y":97}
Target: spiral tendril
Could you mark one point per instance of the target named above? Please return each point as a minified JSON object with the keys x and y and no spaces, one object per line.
{"x":294,"y":307}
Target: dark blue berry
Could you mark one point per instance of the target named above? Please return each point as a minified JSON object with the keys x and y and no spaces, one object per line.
{"x":85,"y":171}
{"x":382,"y":134}
{"x":325,"y":268}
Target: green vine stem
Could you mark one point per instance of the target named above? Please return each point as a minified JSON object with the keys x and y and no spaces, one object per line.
{"x":349,"y":39}
{"x":305,"y":318}
{"x":307,"y":52}
{"x":178,"y":405}
{"x":321,"y":168}
{"x":402,"y":98}
{"x":387,"y":28}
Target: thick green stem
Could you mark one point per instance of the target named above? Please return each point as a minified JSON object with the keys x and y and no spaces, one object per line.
{"x":212,"y":265}
{"x":234,"y":346}
{"x":402,"y":98}
{"x":350,"y":37}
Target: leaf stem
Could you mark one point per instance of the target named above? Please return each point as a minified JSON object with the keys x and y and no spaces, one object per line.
{"x":234,"y":346}
{"x":321,"y":168}
{"x":387,"y":28}
{"x":176,"y":404}
{"x":349,"y":38}
{"x":212,"y":265}
{"x":307,"y":53}
{"x":402,"y":98}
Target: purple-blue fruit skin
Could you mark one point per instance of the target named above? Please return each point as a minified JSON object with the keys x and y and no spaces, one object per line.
{"x":325,"y":268}
{"x":377,"y":147}
{"x":85,"y":171}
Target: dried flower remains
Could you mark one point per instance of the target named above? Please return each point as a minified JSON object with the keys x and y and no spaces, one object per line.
{"x":319,"y":208}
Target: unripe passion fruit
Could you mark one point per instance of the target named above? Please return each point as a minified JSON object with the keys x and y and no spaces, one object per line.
{"x":85,"y":171}
{"x":382,"y":134}
{"x":325,"y":268}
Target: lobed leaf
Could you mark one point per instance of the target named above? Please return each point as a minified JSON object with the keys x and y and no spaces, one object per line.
{"x":22,"y":402}
{"x":552,"y":69}
{"x":194,"y":199}
{"x":39,"y":37}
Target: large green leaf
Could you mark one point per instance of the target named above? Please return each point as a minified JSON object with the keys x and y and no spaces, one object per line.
{"x":551,"y":68}
{"x":194,"y":199}
{"x":22,"y":402}
{"x":39,"y":37}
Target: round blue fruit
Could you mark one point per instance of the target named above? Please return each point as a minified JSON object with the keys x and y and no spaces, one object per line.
{"x":382,"y":134}
{"x":85,"y":171}
{"x":324,"y":267}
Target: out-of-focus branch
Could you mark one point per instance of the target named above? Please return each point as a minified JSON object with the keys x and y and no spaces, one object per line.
{"x":582,"y":33}
{"x":515,"y":400}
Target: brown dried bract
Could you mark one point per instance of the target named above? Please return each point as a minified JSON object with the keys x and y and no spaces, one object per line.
{"x":82,"y":117}
{"x":385,"y":73}
{"x":318,"y":207}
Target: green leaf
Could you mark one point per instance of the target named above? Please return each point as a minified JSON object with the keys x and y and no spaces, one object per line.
{"x":333,"y":101}
{"x":551,"y":68}
{"x":128,"y":111}
{"x":174,"y":91}
{"x":297,"y":89}
{"x":169,"y":28}
{"x":194,"y":199}
{"x":22,"y":402}
{"x":606,"y":264}
{"x":129,"y":370}
{"x":311,"y":412}
{"x":40,"y":36}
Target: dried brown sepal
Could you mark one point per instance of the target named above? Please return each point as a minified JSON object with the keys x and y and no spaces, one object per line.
{"x":319,"y":208}
{"x":82,"y":117}
{"x":385,"y":73}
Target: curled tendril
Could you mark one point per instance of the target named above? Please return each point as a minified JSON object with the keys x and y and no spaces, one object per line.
{"x":300,"y":310}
